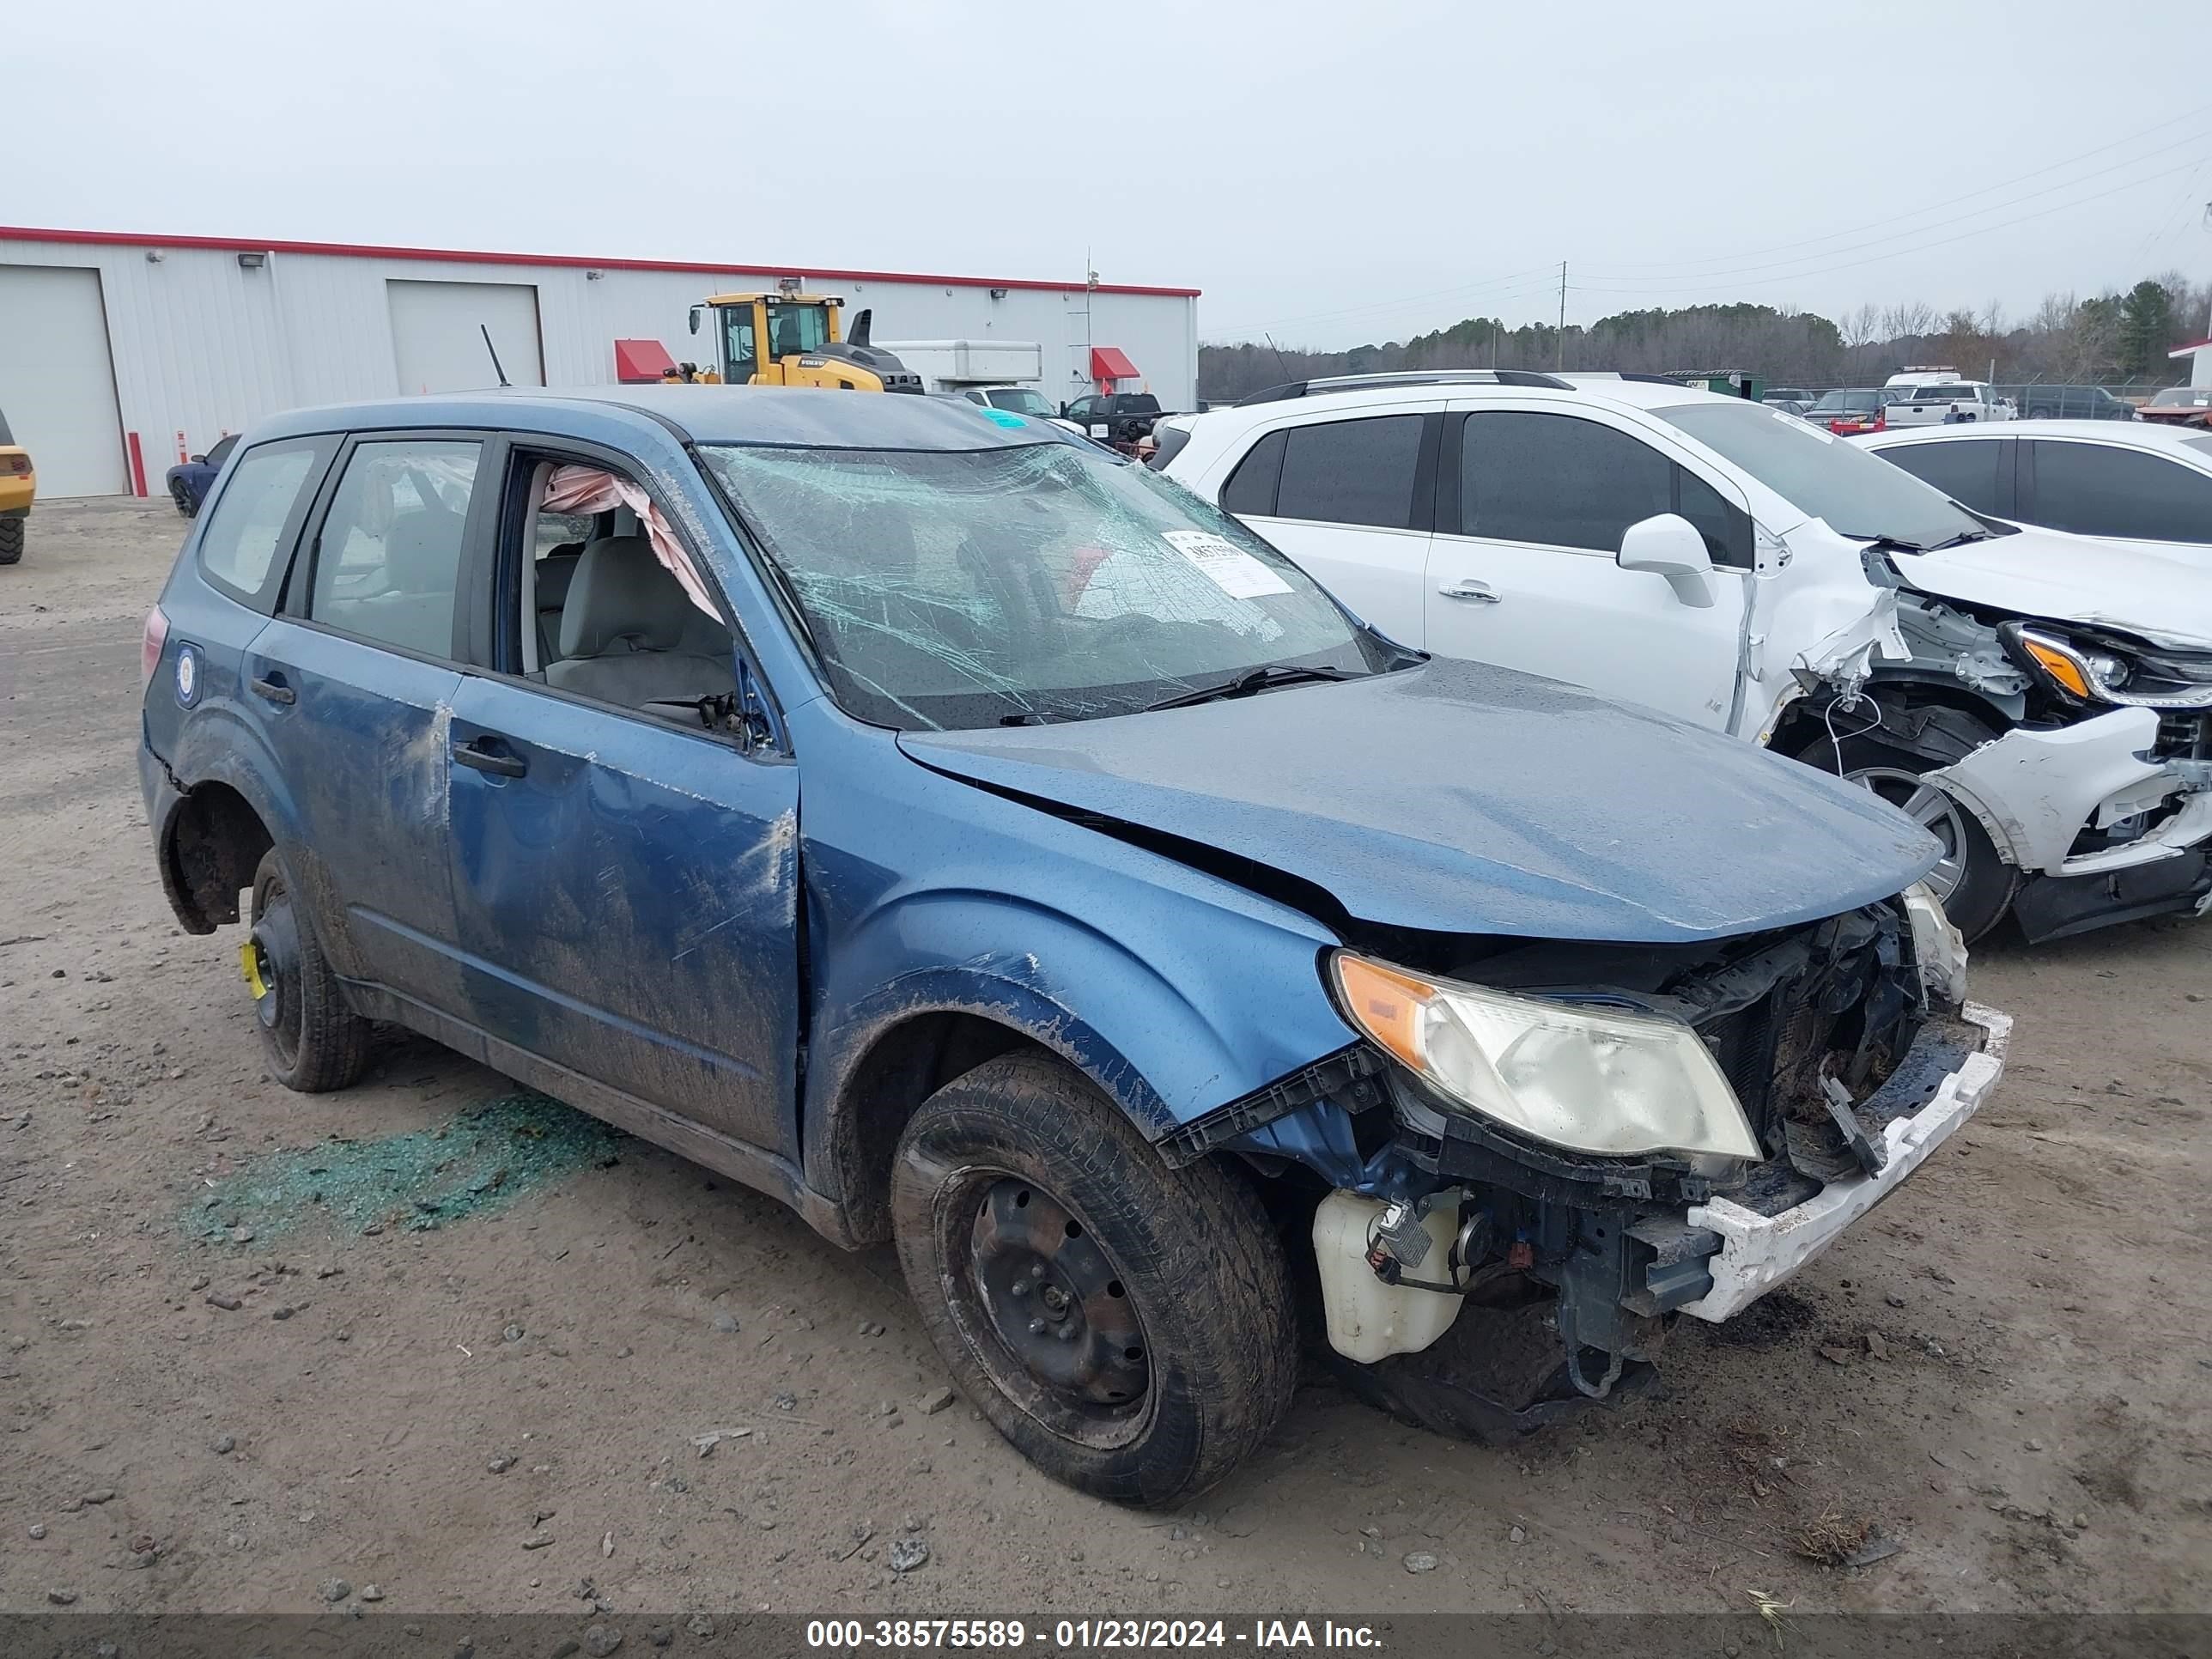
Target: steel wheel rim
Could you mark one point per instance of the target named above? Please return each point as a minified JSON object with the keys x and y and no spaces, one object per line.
{"x":275,"y":943}
{"x":1932,"y":809}
{"x":1045,"y":1309}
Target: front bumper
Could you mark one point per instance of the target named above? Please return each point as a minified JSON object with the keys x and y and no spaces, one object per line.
{"x":1758,"y":1252}
{"x":2037,"y":790}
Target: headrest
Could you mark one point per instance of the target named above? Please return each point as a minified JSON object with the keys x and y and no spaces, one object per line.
{"x":622,"y":594}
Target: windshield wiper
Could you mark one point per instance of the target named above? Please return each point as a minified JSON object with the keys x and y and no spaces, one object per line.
{"x":1963,"y":538}
{"x":1266,"y":678}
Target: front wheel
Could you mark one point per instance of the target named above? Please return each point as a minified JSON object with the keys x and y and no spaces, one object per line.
{"x":1130,"y":1328}
{"x":1975,"y":884}
{"x":11,"y":540}
{"x":183,"y":498}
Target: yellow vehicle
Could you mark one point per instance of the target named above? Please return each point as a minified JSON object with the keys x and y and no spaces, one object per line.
{"x":792,"y":339}
{"x":18,"y":484}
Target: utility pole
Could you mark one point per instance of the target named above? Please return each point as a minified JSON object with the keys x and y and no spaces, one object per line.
{"x":1560,"y":358}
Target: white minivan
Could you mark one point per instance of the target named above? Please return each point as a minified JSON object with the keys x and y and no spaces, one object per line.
{"x":2049,"y":718}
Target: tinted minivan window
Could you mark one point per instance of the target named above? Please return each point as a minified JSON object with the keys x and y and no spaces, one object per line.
{"x":255,"y":517}
{"x":1558,"y":480}
{"x":1966,"y":472}
{"x":2100,"y":489}
{"x":1351,"y":472}
{"x":387,"y":563}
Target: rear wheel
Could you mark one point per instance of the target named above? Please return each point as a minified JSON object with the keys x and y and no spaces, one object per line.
{"x":1130,"y":1328}
{"x":314,"y":1043}
{"x":11,"y":540}
{"x":1975,"y":884}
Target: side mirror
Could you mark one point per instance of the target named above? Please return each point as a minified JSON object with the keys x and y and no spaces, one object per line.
{"x":1668,"y":544}
{"x":694,"y":319}
{"x":199,"y":460}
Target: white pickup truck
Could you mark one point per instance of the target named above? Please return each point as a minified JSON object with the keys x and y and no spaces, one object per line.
{"x":1941,"y":397}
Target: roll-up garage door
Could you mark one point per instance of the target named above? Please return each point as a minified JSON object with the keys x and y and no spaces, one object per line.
{"x":56,"y":380}
{"x":437,"y":335}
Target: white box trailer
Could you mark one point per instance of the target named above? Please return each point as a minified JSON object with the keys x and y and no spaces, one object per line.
{"x":955,"y":365}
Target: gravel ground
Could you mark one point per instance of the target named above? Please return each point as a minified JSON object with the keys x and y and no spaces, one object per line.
{"x":224,"y":1393}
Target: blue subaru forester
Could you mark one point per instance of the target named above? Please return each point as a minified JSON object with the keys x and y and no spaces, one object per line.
{"x":980,"y":842}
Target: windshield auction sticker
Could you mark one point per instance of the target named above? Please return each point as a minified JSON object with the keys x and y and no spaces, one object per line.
{"x":1226,"y":565}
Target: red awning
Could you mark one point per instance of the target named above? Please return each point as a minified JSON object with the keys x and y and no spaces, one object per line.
{"x":1108,"y":363}
{"x":639,"y":362}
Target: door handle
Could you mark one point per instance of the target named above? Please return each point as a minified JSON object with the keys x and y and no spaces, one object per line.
{"x":480,"y":755}
{"x":1467,"y":588}
{"x":273,"y":688}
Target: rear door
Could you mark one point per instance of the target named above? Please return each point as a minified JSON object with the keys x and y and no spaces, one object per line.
{"x":354,"y":681}
{"x":1532,"y":504}
{"x":625,"y":874}
{"x":1350,"y":500}
{"x":2096,"y":488}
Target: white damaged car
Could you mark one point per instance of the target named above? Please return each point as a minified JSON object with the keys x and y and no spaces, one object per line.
{"x":2048,"y":715}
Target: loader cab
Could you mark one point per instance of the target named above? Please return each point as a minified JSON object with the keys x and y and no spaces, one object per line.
{"x":761,"y":333}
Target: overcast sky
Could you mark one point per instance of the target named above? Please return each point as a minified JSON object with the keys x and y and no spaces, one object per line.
{"x":1330,"y":174}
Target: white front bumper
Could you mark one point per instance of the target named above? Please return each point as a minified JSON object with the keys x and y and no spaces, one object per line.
{"x":1758,"y":1252}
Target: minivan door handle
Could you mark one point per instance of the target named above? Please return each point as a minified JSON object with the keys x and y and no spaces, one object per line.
{"x":273,"y":688}
{"x":1467,"y":588}
{"x":492,"y":755}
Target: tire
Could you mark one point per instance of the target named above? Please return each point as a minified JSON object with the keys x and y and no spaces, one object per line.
{"x":186,"y":506}
{"x":1161,"y":1346}
{"x":11,"y":540}
{"x":315,"y":1043}
{"x":1980,"y":884}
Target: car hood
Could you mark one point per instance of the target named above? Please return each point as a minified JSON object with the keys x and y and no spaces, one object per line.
{"x":2050,"y":574}
{"x":1463,"y":798}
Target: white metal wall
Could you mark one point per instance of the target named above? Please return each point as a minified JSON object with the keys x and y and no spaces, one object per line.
{"x":203,"y":345}
{"x":57,"y":387}
{"x":439,"y":329}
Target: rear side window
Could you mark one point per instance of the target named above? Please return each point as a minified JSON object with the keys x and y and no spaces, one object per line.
{"x":1250,"y":491}
{"x":2100,"y":489}
{"x":387,"y":562}
{"x":1966,"y":472}
{"x":245,"y":545}
{"x":1351,"y":472}
{"x":1557,"y":480}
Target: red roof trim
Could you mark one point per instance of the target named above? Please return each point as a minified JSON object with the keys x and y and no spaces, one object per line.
{"x":458,"y":256}
{"x":2185,"y":350}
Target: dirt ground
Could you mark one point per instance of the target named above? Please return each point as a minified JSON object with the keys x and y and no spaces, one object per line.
{"x":2005,"y":1371}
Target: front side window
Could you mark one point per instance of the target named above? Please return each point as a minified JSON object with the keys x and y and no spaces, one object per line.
{"x":1351,"y":472}
{"x":221,"y":452}
{"x":256,"y":518}
{"x":1558,"y":480}
{"x":1856,"y":492}
{"x":1020,"y":399}
{"x":960,"y":589}
{"x":742,"y":350}
{"x":2101,"y":489}
{"x":794,"y":329}
{"x":1967,"y":472}
{"x":387,"y":563}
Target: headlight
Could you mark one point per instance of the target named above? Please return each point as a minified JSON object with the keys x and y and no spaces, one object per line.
{"x":2098,"y":675}
{"x":1596,"y":1080}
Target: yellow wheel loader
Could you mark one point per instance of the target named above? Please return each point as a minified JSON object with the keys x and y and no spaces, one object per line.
{"x":792,"y":339}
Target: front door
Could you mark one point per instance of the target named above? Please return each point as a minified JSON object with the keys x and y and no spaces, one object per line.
{"x":1524,"y":570}
{"x":625,"y":873}
{"x":353,"y":685}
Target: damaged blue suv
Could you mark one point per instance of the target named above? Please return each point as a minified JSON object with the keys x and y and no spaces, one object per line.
{"x":979,"y":843}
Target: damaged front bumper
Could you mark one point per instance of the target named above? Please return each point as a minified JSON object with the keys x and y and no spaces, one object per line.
{"x":1758,"y":1252}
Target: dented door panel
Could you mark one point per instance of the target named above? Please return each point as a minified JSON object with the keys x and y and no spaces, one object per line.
{"x":627,"y":904}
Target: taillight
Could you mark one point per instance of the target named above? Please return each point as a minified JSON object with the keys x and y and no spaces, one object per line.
{"x":1881,"y":420}
{"x":18,"y":465}
{"x":149,"y":645}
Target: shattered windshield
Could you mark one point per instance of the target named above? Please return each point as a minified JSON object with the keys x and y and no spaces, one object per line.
{"x":947,"y":590}
{"x":1855,"y":491}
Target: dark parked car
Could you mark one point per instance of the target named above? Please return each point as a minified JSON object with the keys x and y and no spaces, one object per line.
{"x":1119,"y":418}
{"x":975,"y":841}
{"x":2068,"y":403}
{"x":189,"y":481}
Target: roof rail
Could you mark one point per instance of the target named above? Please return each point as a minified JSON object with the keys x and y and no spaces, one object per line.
{"x":1315,"y":388}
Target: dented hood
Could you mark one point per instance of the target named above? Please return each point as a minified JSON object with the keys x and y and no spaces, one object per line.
{"x":2052,"y":574}
{"x":1469,"y":798}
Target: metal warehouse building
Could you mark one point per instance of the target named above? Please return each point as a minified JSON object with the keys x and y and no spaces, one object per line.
{"x":119,"y":355}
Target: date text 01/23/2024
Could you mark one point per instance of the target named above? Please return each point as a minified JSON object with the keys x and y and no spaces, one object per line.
{"x":1262,"y":1635}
